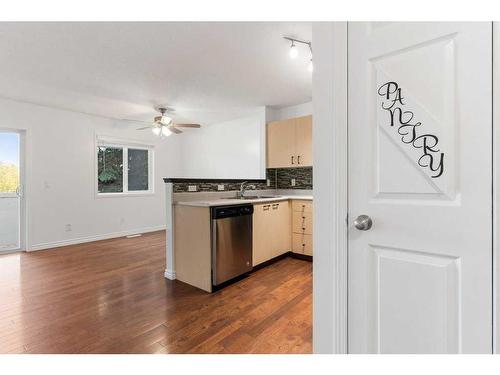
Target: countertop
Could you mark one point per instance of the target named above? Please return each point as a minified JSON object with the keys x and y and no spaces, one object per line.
{"x":230,"y":202}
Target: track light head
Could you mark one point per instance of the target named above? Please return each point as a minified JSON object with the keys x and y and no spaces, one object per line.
{"x":294,"y":52}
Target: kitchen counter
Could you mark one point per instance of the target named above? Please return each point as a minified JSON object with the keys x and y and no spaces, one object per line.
{"x":235,"y":201}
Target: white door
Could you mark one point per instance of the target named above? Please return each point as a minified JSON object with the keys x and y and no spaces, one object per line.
{"x":11,"y":202}
{"x":420,"y":135}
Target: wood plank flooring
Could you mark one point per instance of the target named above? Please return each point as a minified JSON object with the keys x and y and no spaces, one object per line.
{"x":111,"y":297}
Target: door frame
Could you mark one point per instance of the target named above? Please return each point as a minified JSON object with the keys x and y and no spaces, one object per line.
{"x":496,"y":187}
{"x":330,"y":136}
{"x":23,"y":213}
{"x":330,"y":187}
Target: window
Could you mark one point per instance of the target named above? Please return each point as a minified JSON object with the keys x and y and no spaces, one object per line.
{"x":123,"y":169}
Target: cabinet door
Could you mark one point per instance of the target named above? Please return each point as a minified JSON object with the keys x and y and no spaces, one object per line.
{"x":308,"y":244}
{"x":302,"y":222}
{"x":281,"y":144}
{"x":262,"y":234}
{"x":302,"y":244}
{"x":281,"y":227}
{"x":302,"y":206}
{"x":303,"y":141}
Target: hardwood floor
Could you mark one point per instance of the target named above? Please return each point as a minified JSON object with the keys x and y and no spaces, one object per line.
{"x":111,"y":297}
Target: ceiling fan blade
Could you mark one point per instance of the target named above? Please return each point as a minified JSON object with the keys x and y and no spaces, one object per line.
{"x":137,"y":121}
{"x":167,"y":109}
{"x":188,"y":125}
{"x":144,"y":128}
{"x":174,"y":130}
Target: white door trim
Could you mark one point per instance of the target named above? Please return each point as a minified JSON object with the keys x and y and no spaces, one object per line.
{"x":330,"y":187}
{"x":496,"y":187}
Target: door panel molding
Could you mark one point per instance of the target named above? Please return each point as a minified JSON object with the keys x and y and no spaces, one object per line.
{"x":436,"y":274}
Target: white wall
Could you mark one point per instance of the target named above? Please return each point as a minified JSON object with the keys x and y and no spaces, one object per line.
{"x":236,"y":148}
{"x":61,"y":172}
{"x":231,"y":149}
{"x":299,"y":110}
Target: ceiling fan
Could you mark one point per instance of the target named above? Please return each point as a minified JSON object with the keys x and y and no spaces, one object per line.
{"x":163,"y":125}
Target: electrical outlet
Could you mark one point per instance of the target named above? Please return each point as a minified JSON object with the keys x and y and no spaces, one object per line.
{"x":293,"y":181}
{"x":220,"y":187}
{"x":192,"y":188}
{"x":68,"y":228}
{"x":268,"y":182}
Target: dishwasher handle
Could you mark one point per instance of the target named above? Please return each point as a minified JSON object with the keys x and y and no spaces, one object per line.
{"x":231,"y":211}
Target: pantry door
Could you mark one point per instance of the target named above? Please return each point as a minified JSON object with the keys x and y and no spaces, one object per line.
{"x":420,"y":169}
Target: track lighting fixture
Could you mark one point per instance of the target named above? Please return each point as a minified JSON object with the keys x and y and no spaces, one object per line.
{"x":294,"y":51}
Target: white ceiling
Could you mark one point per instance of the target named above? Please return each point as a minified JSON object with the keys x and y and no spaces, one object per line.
{"x":207,"y":71}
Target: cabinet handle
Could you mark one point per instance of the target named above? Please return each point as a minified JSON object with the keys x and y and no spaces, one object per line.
{"x":292,"y":159}
{"x":265,"y":208}
{"x":298,"y":159}
{"x":275,"y":206}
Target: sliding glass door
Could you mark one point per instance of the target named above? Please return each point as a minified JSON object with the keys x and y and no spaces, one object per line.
{"x":11,"y":204}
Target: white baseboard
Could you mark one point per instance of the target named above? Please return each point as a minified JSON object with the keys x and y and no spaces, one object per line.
{"x":75,"y":241}
{"x":3,"y":252}
{"x":169,"y":274}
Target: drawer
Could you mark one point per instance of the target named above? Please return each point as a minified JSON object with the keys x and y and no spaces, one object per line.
{"x":302,"y":244}
{"x":302,"y":222}
{"x":302,"y":206}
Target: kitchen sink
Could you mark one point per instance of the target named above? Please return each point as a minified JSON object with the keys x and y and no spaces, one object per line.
{"x":250,"y":197}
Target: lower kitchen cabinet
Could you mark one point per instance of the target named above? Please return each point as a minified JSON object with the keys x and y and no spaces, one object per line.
{"x":271,"y":230}
{"x":302,"y":243}
{"x":279,"y":227}
{"x":302,"y":227}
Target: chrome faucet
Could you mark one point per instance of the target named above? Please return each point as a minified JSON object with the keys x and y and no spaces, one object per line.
{"x":243,"y":187}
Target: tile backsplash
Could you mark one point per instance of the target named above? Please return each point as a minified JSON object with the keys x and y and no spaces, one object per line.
{"x":303,"y":177}
{"x":278,"y":178}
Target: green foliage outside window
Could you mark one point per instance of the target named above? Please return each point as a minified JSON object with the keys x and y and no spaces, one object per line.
{"x":9,"y":177}
{"x":110,"y":169}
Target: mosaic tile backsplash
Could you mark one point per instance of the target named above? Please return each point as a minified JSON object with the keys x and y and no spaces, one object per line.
{"x":279,"y":178}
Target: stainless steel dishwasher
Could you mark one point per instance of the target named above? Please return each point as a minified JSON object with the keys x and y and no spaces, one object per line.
{"x":231,"y":242}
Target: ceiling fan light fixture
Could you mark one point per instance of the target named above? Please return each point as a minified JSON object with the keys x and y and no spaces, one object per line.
{"x":165,"y":131}
{"x":164,"y":126}
{"x":165,"y":120}
{"x":156,"y":130}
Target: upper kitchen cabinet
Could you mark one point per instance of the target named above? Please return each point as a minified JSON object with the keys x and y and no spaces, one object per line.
{"x":280,"y":143}
{"x":303,"y":141}
{"x":289,"y":143}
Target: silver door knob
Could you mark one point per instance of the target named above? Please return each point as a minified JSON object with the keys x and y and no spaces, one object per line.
{"x":363,"y":222}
